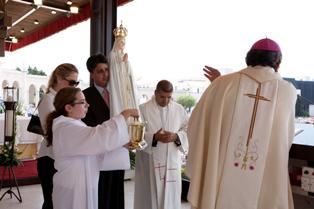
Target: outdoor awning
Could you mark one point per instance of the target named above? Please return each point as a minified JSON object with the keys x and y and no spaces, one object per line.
{"x":27,"y":32}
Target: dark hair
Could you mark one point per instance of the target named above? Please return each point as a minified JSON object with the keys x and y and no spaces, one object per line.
{"x":94,"y":60}
{"x":165,"y":86}
{"x":64,"y":96}
{"x":264,"y":58}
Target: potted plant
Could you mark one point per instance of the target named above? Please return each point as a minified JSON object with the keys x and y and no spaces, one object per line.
{"x":185,"y":184}
{"x":129,"y":174}
{"x":9,"y":153}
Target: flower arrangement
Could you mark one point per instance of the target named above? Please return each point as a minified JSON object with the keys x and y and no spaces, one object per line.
{"x":8,"y":156}
{"x":9,"y":153}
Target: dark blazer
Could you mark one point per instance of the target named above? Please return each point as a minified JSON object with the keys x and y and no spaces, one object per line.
{"x":98,"y":111}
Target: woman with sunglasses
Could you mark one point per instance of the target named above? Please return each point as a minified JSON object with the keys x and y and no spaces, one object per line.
{"x":64,"y":75}
{"x":75,"y":185}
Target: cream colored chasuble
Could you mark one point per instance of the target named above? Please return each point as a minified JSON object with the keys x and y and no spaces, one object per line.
{"x":240,"y":134}
{"x":248,"y":144}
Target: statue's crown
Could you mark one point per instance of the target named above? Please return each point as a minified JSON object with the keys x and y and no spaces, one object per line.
{"x":120,"y":31}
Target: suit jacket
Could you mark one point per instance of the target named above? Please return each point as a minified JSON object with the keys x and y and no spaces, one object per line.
{"x":98,"y":111}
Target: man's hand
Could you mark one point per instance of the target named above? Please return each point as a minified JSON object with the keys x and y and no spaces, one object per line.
{"x":211,"y":73}
{"x":165,"y":136}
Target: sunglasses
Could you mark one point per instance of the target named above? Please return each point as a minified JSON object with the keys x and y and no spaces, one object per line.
{"x":72,"y":82}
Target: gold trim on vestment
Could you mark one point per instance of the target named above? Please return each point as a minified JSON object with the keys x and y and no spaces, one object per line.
{"x":248,"y":150}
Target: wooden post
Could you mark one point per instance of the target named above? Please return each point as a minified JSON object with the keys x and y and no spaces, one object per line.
{"x":103,"y":20}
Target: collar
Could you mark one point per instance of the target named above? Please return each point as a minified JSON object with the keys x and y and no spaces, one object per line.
{"x":99,"y":88}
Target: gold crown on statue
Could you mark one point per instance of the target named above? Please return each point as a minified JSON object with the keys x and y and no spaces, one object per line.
{"x":120,"y":31}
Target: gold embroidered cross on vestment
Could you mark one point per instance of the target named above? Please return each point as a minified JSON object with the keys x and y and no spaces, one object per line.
{"x":251,"y":155}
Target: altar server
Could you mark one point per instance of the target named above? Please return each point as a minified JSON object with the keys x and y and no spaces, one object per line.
{"x":75,"y":147}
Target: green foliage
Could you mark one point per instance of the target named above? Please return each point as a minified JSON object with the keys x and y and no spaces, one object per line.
{"x":183,"y":173}
{"x":35,"y":71}
{"x":20,"y":109}
{"x":18,"y":69}
{"x":1,"y":107}
{"x":187,"y":101}
{"x":132,"y":159}
{"x":9,"y":153}
{"x":8,"y":156}
{"x":306,"y":114}
{"x":302,"y":107}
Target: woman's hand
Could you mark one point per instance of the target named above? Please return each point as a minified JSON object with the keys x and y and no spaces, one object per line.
{"x":130,"y":112}
{"x":211,"y":73}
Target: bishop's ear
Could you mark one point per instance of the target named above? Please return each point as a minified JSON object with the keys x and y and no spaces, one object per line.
{"x":277,"y":67}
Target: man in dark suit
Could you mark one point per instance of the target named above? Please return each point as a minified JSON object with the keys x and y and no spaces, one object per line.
{"x":111,"y":182}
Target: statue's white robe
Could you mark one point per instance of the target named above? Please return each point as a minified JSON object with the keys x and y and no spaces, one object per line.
{"x":224,"y":172}
{"x":123,"y":95}
{"x":121,"y":84}
{"x":75,"y":146}
{"x":158,"y":169}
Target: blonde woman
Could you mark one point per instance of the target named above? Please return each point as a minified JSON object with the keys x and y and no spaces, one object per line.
{"x":64,"y":75}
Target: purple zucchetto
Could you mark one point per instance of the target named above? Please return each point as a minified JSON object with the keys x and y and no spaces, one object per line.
{"x":267,"y":45}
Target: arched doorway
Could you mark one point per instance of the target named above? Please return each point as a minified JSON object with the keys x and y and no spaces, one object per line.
{"x":5,"y":83}
{"x":32,"y":94}
{"x":17,"y":86}
{"x":42,"y":91}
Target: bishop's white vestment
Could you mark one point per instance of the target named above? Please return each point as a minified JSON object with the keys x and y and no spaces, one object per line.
{"x":121,"y":85}
{"x":158,"y":169}
{"x":75,"y":147}
{"x":240,"y":134}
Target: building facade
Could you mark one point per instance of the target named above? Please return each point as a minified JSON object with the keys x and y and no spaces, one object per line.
{"x":29,"y":87}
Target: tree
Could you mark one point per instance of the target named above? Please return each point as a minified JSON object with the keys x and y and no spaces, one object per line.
{"x":35,"y":71}
{"x":187,"y":101}
{"x":302,"y":107}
